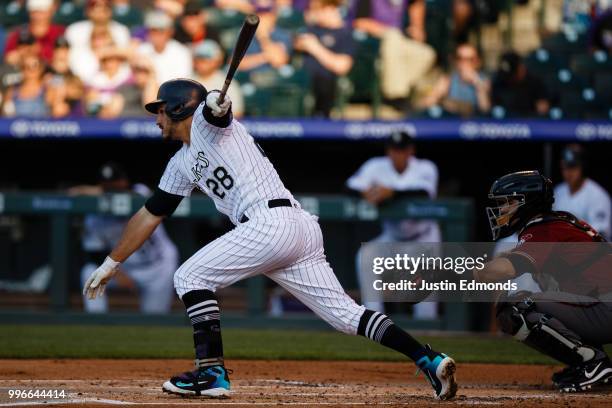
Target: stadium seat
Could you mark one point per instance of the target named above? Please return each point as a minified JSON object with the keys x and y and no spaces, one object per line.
{"x":583,"y":103}
{"x":588,"y":65}
{"x":290,"y":19}
{"x":68,"y":13}
{"x":565,"y":45}
{"x":225,"y":19}
{"x":282,"y":93}
{"x":433,"y":112}
{"x":564,"y":81}
{"x":12,"y":14}
{"x":437,"y":27}
{"x":542,"y":62}
{"x":255,"y":99}
{"x":602,"y":82}
{"x":227,"y":39}
{"x":361,"y":85}
{"x":275,"y":101}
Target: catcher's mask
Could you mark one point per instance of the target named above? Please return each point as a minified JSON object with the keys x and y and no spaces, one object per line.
{"x":517,"y":197}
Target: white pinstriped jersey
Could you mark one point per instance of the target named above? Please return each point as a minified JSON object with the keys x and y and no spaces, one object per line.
{"x":227,"y":165}
{"x":283,"y":243}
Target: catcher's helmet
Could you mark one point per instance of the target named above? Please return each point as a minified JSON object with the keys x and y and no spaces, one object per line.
{"x":181,"y":96}
{"x":518,"y":197}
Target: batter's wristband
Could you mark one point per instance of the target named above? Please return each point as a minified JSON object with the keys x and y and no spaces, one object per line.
{"x":109,"y":264}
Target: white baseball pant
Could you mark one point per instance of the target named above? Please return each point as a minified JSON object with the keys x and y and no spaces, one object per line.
{"x":284,"y":244}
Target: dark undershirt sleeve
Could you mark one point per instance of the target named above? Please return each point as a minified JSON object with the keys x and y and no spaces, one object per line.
{"x":221,"y":122}
{"x":162,"y":204}
{"x":96,"y":257}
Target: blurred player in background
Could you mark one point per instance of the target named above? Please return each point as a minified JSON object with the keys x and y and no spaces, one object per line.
{"x":400,"y":174}
{"x":565,"y":311}
{"x":580,"y":195}
{"x":151,"y":267}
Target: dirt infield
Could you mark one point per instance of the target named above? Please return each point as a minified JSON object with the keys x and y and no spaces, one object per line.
{"x":98,"y":383}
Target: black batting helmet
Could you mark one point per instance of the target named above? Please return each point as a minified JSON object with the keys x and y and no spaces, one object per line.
{"x":181,"y":96}
{"x":518,"y":197}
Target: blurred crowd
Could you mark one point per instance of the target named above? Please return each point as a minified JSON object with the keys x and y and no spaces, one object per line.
{"x":434,"y":58}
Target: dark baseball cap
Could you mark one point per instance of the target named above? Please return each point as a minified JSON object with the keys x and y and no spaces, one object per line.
{"x":400,"y":139}
{"x":572,"y":156}
{"x":111,"y":172}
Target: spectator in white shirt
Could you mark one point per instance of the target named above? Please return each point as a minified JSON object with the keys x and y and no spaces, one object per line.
{"x":207,"y":63}
{"x":103,"y":98}
{"x":84,"y":61}
{"x":170,"y":58}
{"x":99,"y":14}
{"x":580,"y":195}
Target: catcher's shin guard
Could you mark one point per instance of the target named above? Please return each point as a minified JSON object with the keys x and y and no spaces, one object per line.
{"x":543,"y":333}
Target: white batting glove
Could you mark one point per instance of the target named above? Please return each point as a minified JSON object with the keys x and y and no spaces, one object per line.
{"x":221,"y":109}
{"x":96,"y":283}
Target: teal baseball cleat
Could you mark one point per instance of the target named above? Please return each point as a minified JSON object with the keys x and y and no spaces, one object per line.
{"x":440,"y":371}
{"x":212,"y":382}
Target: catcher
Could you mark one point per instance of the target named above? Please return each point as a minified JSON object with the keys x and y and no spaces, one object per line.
{"x":567,"y":312}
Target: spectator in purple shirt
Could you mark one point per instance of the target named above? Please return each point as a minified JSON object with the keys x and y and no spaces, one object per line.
{"x":271,"y":47}
{"x":405,"y":57}
{"x":376,"y":16}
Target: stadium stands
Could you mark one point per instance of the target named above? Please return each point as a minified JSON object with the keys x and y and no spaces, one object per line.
{"x":579,"y":75}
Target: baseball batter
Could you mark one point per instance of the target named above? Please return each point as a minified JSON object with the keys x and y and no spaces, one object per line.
{"x":273,"y":236}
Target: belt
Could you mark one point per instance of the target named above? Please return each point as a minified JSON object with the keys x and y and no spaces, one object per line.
{"x":277,"y":202}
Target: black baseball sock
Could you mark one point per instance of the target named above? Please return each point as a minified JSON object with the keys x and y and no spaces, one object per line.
{"x":203,"y":312}
{"x":378,"y":327}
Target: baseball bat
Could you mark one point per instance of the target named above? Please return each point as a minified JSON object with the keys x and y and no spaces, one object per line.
{"x":247,"y":32}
